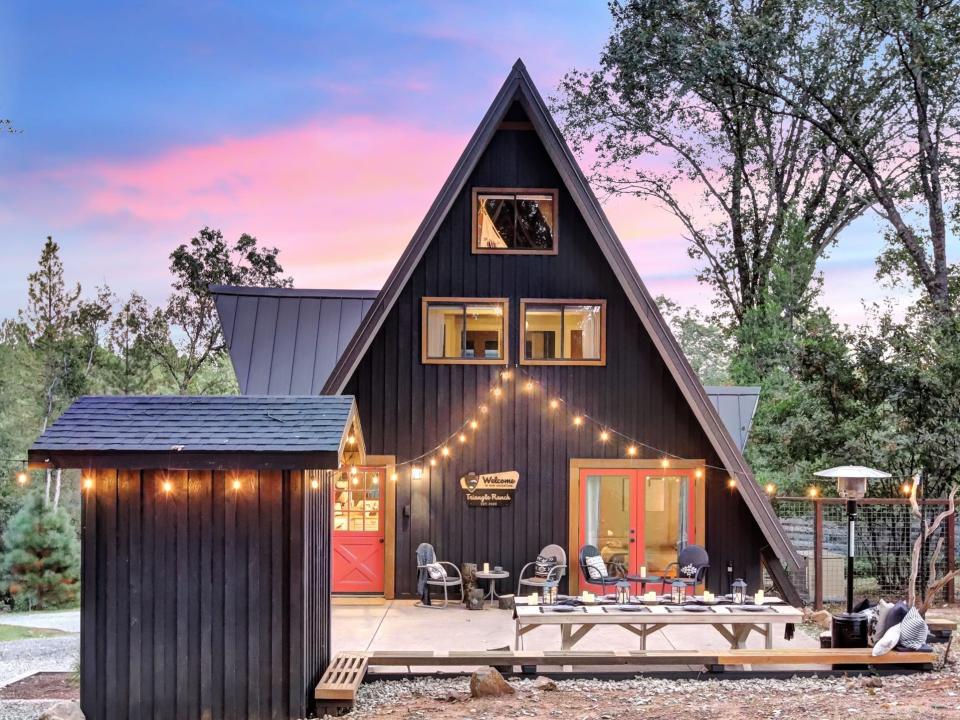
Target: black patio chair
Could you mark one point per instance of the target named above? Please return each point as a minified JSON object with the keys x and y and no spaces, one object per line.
{"x":691,"y":566}
{"x":596,"y":572}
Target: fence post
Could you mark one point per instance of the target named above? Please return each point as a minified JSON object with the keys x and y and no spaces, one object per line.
{"x":951,"y":555}
{"x":817,"y":554}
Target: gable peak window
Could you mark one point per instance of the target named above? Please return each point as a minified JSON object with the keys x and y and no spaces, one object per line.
{"x":563,"y":332}
{"x":520,"y":221}
{"x":465,"y":331}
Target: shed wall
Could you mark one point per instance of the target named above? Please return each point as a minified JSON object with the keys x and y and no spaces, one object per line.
{"x":204,"y":602}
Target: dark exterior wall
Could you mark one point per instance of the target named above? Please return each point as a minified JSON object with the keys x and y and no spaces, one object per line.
{"x":407,"y":407}
{"x":205,"y":602}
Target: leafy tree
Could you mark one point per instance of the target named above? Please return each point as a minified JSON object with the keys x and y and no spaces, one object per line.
{"x":875,"y":81}
{"x":184,"y":335}
{"x":706,"y":344}
{"x":724,"y":158}
{"x":132,"y":368}
{"x":41,"y":565}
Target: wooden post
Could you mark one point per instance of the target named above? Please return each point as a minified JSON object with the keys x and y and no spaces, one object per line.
{"x":951,"y":556}
{"x":817,"y":555}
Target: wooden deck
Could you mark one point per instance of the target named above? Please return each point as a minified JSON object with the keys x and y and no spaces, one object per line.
{"x":338,"y":687}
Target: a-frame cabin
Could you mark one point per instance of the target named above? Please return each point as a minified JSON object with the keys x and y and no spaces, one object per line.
{"x":600,"y":420}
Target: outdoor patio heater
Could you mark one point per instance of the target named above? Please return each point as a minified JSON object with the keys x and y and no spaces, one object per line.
{"x":850,"y":629}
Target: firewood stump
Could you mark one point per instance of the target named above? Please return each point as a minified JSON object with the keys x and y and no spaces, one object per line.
{"x":506,"y":602}
{"x":469,"y":572}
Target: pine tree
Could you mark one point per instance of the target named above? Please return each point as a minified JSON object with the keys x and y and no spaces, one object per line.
{"x":41,"y":563}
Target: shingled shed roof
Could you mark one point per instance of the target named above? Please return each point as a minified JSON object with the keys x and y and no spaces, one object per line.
{"x":200,"y":432}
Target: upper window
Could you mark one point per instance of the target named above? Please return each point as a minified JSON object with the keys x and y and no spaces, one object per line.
{"x":465,"y":330}
{"x":514,"y":220}
{"x":563,"y":332}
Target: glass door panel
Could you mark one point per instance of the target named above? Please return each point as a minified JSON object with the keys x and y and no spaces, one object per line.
{"x":666,"y":520}
{"x":609,"y":518}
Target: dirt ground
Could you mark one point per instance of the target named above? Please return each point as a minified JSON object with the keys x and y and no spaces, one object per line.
{"x":44,"y":685}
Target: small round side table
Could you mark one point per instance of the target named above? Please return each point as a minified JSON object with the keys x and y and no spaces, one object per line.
{"x":492,"y":576}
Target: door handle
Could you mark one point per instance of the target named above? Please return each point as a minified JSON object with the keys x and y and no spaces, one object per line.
{"x":633,"y":530}
{"x":633,"y":540}
{"x":381,"y":541}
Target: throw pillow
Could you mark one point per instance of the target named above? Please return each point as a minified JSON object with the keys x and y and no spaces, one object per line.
{"x":913,"y":630}
{"x":436,"y":571}
{"x":544,"y":565}
{"x":888,"y":642}
{"x":896,"y":615}
{"x":883,"y":607}
{"x":596,"y":567}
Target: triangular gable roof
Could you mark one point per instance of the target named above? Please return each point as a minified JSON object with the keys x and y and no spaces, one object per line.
{"x":520,"y":88}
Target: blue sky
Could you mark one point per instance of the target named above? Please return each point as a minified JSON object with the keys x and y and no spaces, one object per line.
{"x":141,"y":122}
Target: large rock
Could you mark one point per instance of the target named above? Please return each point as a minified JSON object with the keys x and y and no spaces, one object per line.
{"x":487,"y":682}
{"x":66,"y":710}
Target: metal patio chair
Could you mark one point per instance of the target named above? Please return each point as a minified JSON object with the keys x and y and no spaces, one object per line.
{"x":589,"y":572}
{"x":555,"y":573}
{"x":427,"y":556}
{"x":691,"y":565}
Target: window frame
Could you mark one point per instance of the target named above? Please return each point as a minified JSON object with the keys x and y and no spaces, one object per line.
{"x":562,"y":302}
{"x":425,"y":304}
{"x":475,"y":228}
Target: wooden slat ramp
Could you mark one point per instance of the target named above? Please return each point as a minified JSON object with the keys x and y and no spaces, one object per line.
{"x":338,"y":686}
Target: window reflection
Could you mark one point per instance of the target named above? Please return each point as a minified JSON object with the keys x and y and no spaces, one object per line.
{"x":516,"y":221}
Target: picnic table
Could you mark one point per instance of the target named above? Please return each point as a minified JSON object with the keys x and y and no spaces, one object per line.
{"x":733,"y":622}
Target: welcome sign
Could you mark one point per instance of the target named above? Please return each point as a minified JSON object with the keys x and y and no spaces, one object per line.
{"x":490,"y":489}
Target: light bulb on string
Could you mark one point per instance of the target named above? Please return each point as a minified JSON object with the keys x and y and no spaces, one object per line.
{"x":665,"y":462}
{"x":483,"y":409}
{"x":731,"y":483}
{"x":22,"y":477}
{"x":698,"y":473}
{"x":416,"y":472}
{"x":771,"y":489}
{"x":505,"y":375}
{"x":445,"y":451}
{"x":394,"y":477}
{"x":462,"y":438}
{"x":528,"y":386}
{"x":554,"y":404}
{"x":632,"y":451}
{"x":577,"y":420}
{"x":433,"y":462}
{"x":88,"y":483}
{"x":474,"y":424}
{"x":604,"y":436}
{"x":167,"y":486}
{"x":497,"y":392}
{"x":813,"y":491}
{"x":906,"y":489}
{"x":315,"y":484}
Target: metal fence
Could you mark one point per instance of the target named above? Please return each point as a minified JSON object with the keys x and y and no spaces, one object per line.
{"x":884,"y":537}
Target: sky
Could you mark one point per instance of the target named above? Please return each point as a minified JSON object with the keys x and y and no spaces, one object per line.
{"x":322,"y":128}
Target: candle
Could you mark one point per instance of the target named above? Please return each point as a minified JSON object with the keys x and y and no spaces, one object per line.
{"x":758,"y":598}
{"x":643,"y":571}
{"x":486,"y":567}
{"x":650,"y":596}
{"x":707,"y":596}
{"x":534,"y":599}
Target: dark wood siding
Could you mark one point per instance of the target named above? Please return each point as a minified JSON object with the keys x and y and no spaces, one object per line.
{"x":407,"y":407}
{"x":207,"y":602}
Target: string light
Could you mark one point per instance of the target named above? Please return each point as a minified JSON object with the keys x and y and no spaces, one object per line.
{"x":813,"y":491}
{"x":497,"y":392}
{"x":376,"y":479}
{"x":88,"y":483}
{"x":529,"y":386}
{"x":355,"y":480}
{"x":665,"y":463}
{"x":731,"y":483}
{"x":604,"y":436}
{"x":433,"y":462}
{"x":315,"y":484}
{"x":353,"y":469}
{"x":352,"y":439}
{"x":483,"y":409}
{"x":505,"y":375}
{"x":394,"y":477}
{"x":632,"y":451}
{"x":417,"y":472}
{"x":771,"y":488}
{"x":22,"y":477}
{"x":698,"y":473}
{"x":906,"y":488}
{"x":445,"y":451}
{"x":462,"y":438}
{"x":474,"y":424}
{"x":577,"y":420}
{"x":554,"y":404}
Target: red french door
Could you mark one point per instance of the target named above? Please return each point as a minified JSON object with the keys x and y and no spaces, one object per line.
{"x":358,"y":542}
{"x":638,"y":518}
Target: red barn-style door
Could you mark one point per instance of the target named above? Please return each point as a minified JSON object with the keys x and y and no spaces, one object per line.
{"x":358,"y":532}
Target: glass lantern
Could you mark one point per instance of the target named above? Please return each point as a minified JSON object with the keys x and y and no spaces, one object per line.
{"x":623,"y":592}
{"x":677,"y":590}
{"x":550,"y":592}
{"x":739,"y":591}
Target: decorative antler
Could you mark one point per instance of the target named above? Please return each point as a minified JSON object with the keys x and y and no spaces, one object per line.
{"x":927,"y":529}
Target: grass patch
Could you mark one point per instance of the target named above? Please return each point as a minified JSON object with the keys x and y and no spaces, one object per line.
{"x":17,"y":632}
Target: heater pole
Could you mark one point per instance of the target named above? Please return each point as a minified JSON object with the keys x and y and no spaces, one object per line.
{"x":851,"y":523}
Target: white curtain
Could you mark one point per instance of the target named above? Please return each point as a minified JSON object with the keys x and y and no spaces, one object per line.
{"x":435,"y":328}
{"x":593,"y":511}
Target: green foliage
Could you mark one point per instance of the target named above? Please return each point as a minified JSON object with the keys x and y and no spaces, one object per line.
{"x":41,"y":563}
{"x":184,"y":335}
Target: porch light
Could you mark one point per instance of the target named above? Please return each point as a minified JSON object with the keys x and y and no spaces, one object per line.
{"x":167,"y":486}
{"x":88,"y":483}
{"x":623,"y":592}
{"x":236,"y":484}
{"x":677,"y":591}
{"x":417,"y":472}
{"x":739,"y":591}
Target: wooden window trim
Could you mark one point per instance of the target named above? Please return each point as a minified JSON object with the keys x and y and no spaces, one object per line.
{"x":524,"y":302}
{"x":474,"y":230}
{"x":424,"y":306}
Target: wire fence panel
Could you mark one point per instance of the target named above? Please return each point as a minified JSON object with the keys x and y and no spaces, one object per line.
{"x":885,"y":532}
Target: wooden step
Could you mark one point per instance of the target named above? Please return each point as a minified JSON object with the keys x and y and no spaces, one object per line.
{"x":337,"y":690}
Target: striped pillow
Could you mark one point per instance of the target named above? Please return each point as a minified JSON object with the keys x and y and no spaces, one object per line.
{"x":596,"y":567}
{"x":913,"y":630}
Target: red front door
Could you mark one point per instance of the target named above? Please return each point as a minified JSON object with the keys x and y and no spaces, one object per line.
{"x":358,"y":547}
{"x":638,"y":518}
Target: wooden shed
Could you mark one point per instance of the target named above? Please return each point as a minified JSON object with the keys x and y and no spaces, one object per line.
{"x":205,"y":549}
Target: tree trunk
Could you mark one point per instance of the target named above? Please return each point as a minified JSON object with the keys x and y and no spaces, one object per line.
{"x":56,"y":493}
{"x":46,"y":492}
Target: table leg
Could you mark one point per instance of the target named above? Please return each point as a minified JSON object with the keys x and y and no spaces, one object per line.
{"x":768,"y":640}
{"x":565,"y":637}
{"x":643,"y":637}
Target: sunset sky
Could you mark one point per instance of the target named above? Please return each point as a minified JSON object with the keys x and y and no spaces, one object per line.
{"x":322,"y":128}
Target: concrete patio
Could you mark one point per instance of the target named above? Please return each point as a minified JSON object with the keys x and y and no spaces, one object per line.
{"x":400,"y":625}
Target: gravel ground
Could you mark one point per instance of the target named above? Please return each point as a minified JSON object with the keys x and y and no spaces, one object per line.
{"x":20,"y":657}
{"x":932,"y":695}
